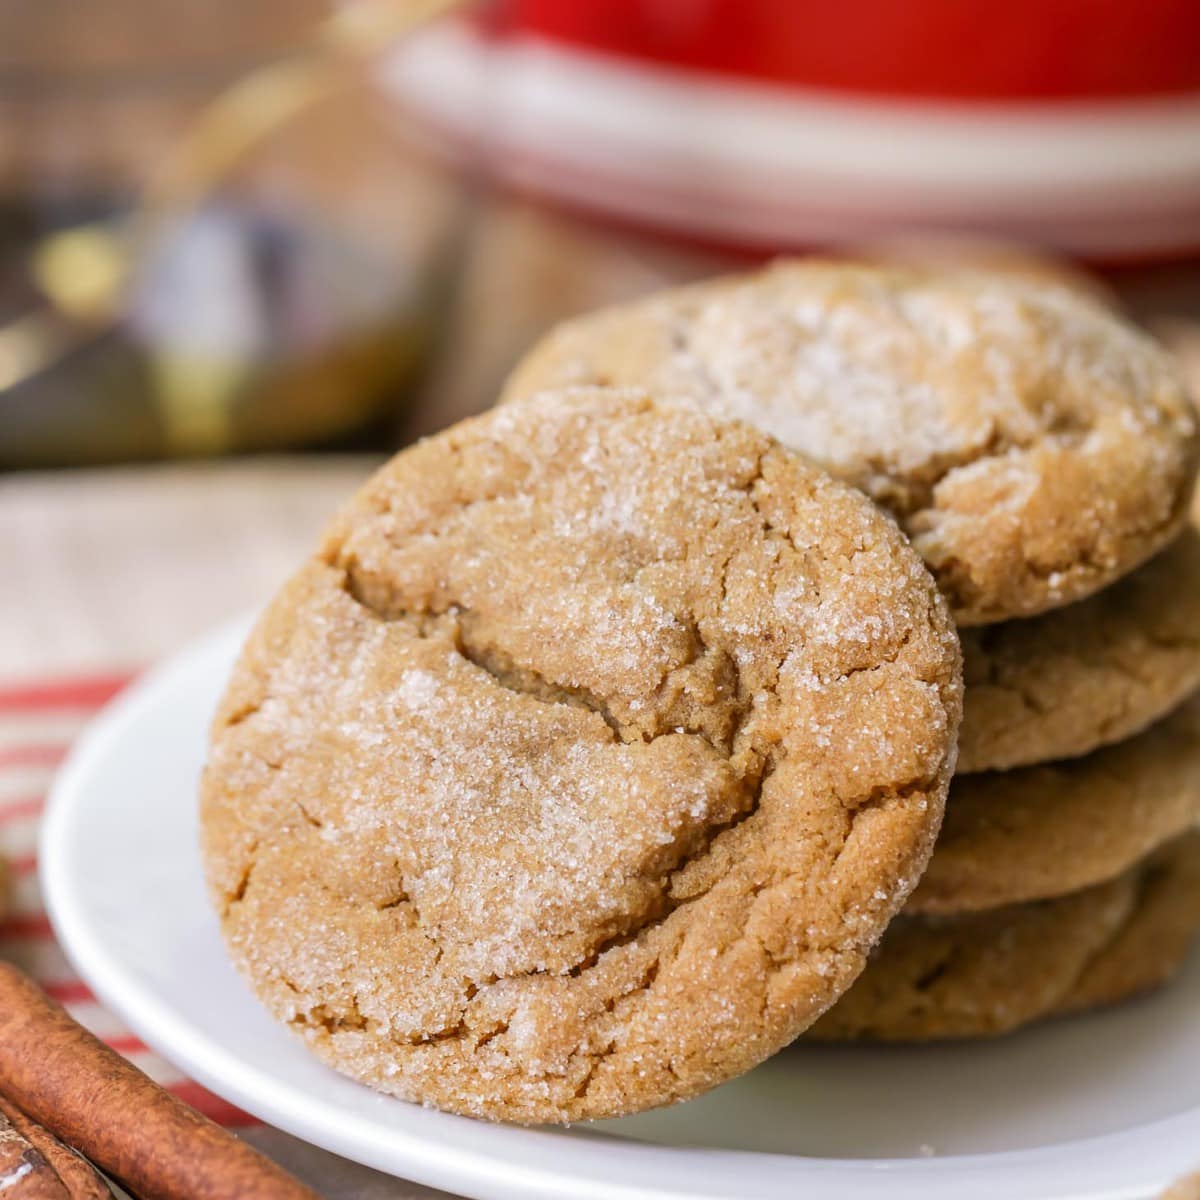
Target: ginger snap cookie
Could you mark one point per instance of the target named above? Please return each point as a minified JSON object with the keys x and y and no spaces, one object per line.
{"x":1154,"y":943}
{"x":993,"y":972}
{"x":1033,"y":446}
{"x":584,"y":764}
{"x":1062,"y":684}
{"x":977,"y":974}
{"x":1048,"y":830}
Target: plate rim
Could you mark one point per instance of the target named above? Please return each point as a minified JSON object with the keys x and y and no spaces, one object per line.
{"x":452,"y":1163}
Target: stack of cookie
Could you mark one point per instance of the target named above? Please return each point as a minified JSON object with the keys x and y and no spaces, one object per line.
{"x":1040,"y":454}
{"x":1065,"y":876}
{"x":591,"y":756}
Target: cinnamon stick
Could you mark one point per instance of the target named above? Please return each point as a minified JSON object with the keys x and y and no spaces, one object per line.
{"x":68,"y":1081}
{"x":24,"y":1173}
{"x":76,"y":1174}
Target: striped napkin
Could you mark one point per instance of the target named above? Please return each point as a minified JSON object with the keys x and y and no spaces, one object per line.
{"x":37,"y":725}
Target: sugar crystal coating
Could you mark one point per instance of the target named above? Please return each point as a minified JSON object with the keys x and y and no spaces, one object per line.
{"x":583,"y":765}
{"x":1034,"y":446}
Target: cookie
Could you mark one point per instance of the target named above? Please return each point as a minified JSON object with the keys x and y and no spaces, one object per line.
{"x":1032,"y":445}
{"x":582,"y":767}
{"x":1154,"y":943}
{"x":980,"y":974}
{"x":1044,"y":831}
{"x":1062,"y":684}
{"x":993,"y":972}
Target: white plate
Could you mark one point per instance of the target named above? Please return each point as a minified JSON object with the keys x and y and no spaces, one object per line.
{"x":1105,"y":1107}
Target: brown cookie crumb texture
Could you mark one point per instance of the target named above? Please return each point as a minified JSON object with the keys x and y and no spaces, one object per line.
{"x":1034,"y":446}
{"x":1097,"y":672}
{"x":991,"y":973}
{"x":582,"y":768}
{"x":1046,"y":831}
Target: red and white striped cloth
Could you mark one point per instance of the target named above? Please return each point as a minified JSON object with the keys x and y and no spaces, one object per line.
{"x":37,"y":725}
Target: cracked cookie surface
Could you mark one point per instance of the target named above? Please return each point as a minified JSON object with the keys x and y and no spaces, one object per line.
{"x":582,"y":767}
{"x":1033,"y":446}
{"x":992,"y":972}
{"x":1049,"y":830}
{"x":1062,"y":684}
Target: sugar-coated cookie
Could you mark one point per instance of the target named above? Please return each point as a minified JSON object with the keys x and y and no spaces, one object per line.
{"x":583,"y":766}
{"x":1034,"y":446}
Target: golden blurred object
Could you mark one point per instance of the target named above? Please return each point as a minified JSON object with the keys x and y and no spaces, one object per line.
{"x":241,"y":117}
{"x":82,"y":272}
{"x":87,"y":275}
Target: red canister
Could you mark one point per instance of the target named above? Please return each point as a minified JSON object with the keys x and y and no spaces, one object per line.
{"x":771,"y":125}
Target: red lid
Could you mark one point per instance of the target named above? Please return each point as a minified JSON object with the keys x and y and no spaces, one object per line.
{"x":934,"y":49}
